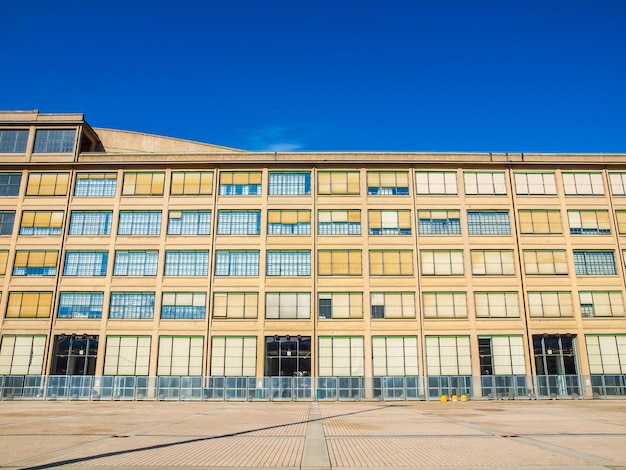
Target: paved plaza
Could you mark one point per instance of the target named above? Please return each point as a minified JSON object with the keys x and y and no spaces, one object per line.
{"x":303,"y":435}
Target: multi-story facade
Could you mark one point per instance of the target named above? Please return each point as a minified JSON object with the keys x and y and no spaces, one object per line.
{"x":130,"y":256}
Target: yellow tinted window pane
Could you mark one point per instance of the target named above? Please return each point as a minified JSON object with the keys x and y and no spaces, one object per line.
{"x":4,"y":255}
{"x":324,"y":262}
{"x":21,"y":258}
{"x":178,"y":180}
{"x":48,"y":184}
{"x":387,"y":180}
{"x":28,"y":218}
{"x":353,"y":183}
{"x":355,"y":263}
{"x":34,"y":180}
{"x":304,"y":216}
{"x":56,"y":219}
{"x":42,"y":219}
{"x":323,"y":183}
{"x":61,"y":184}
{"x":226,"y":178}
{"x":206,"y":183}
{"x":255,"y":178}
{"x":129,"y":183}
{"x":289,"y":217}
{"x":158,"y":180}
{"x":273,"y":217}
{"x":375,"y":219}
{"x":354,"y":216}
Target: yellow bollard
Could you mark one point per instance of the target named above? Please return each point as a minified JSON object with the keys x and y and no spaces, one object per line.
{"x":463,"y":397}
{"x":444,"y":398}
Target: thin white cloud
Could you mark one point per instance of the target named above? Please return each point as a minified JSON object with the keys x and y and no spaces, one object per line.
{"x":279,"y":138}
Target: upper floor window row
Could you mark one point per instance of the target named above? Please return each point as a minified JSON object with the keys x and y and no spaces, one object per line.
{"x":54,"y":141}
{"x":13,"y":141}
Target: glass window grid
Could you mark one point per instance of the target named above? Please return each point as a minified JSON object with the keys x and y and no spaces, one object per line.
{"x":47,"y":184}
{"x":501,"y":355}
{"x":127,"y":355}
{"x":394,"y":356}
{"x":550,"y":304}
{"x":540,"y":221}
{"x":233,"y":356}
{"x":444,"y":305}
{"x":389,"y":222}
{"x":7,"y":220}
{"x":136,"y":263}
{"x":186,"y":263}
{"x":22,"y":354}
{"x":484,"y":183}
{"x":339,"y":263}
{"x":448,"y":355}
{"x":41,"y":223}
{"x":392,"y":305}
{"x":143,"y":183}
{"x":90,"y":222}
{"x":13,"y":140}
{"x":54,"y":141}
{"x":238,"y":222}
{"x":594,"y":263}
{"x":589,"y":222}
{"x":131,"y":305}
{"x":338,"y":183}
{"x":545,"y":262}
{"x":439,"y":222}
{"x":10,"y":184}
{"x":139,"y":223}
{"x":95,"y":185}
{"x":442,"y":262}
{"x":85,"y":263}
{"x":192,"y":183}
{"x":492,"y":262}
{"x":341,"y":356}
{"x":180,"y":356}
{"x":189,"y":222}
{"x":289,"y":183}
{"x":287,"y":305}
{"x":607,"y":354}
{"x":240,"y":183}
{"x":35,"y":263}
{"x":391,"y":262}
{"x":497,"y":304}
{"x":583,"y":183}
{"x":488,"y":223}
{"x":288,"y":263}
{"x":237,"y":263}
{"x":4,"y":258}
{"x":340,"y":305}
{"x":535,"y":183}
{"x":183,"y":306}
{"x":601,"y":304}
{"x":435,"y":182}
{"x":80,"y":305}
{"x":289,"y":222}
{"x":29,"y":305}
{"x":388,"y":183}
{"x":339,"y":222}
{"x":235,"y":305}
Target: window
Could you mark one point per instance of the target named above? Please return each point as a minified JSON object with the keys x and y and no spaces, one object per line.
{"x":183,"y":306}
{"x":501,"y":355}
{"x":35,"y":263}
{"x":80,"y":305}
{"x":235,"y":305}
{"x":589,"y":222}
{"x":13,"y":141}
{"x":186,"y":263}
{"x":439,"y":222}
{"x":539,"y":221}
{"x":583,"y":184}
{"x":89,"y":222}
{"x":41,"y":223}
{"x":54,"y":141}
{"x":233,"y":356}
{"x":288,"y":305}
{"x":496,"y":304}
{"x":338,"y":182}
{"x":47,"y":184}
{"x":237,"y":263}
{"x":445,"y":305}
{"x":240,"y":183}
{"x":95,"y":185}
{"x":442,"y":262}
{"x":594,"y":263}
{"x":131,"y":305}
{"x":601,"y":304}
{"x":189,"y":223}
{"x":390,"y":222}
{"x":488,"y":223}
{"x":192,"y":183}
{"x":618,"y":183}
{"x":339,"y":263}
{"x":435,"y":182}
{"x":7,"y":219}
{"x":10,"y":184}
{"x":143,"y":184}
{"x":535,"y":183}
{"x":289,"y":222}
{"x":391,"y":262}
{"x":388,"y":183}
{"x":448,"y":355}
{"x":288,"y":263}
{"x":492,"y":262}
{"x":607,"y":354}
{"x":22,"y":354}
{"x":550,"y":304}
{"x":4,"y":258}
{"x":392,"y":305}
{"x":341,"y":356}
{"x":86,"y":263}
{"x":545,"y":262}
{"x":127,"y":355}
{"x":29,"y":304}
{"x":238,"y":222}
{"x":621,"y":222}
{"x":139,"y":223}
{"x":136,"y":263}
{"x":340,"y":305}
{"x":482,"y":183}
{"x":180,"y":355}
{"x":289,"y":183}
{"x":394,"y":356}
{"x":339,"y":222}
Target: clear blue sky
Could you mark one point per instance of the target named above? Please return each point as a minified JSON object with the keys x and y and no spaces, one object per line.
{"x":438,"y":75}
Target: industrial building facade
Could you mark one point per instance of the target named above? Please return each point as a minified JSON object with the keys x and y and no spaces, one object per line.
{"x":127,"y":258}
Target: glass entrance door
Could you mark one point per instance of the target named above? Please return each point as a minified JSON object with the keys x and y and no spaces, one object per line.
{"x":555,"y":361}
{"x":288,"y":356}
{"x":75,"y":355}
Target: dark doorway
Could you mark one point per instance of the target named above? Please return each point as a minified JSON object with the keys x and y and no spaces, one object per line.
{"x":75,"y":355}
{"x":288,"y":356}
